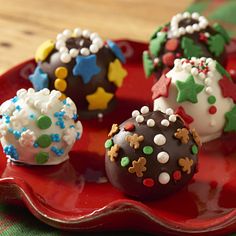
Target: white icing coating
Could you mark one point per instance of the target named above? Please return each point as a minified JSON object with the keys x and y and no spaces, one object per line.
{"x":209,"y":126}
{"x":21,"y":127}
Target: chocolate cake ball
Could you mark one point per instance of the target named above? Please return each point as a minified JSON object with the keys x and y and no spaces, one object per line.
{"x":202,"y":92}
{"x":37,"y":128}
{"x":186,"y":35}
{"x":83,"y":67}
{"x":152,"y":154}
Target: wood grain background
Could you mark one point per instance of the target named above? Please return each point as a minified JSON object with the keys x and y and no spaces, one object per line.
{"x":25,"y":24}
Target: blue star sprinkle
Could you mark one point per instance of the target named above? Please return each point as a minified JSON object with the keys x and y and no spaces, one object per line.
{"x":116,"y":50}
{"x":86,"y":67}
{"x":39,"y":79}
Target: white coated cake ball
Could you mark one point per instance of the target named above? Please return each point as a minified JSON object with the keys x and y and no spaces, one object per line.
{"x":200,"y":95}
{"x":40,"y":123}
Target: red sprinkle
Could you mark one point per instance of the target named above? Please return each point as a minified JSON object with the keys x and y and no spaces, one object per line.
{"x":178,"y":55}
{"x":168,"y":59}
{"x":172,"y":44}
{"x":228,"y":88}
{"x":212,"y":110}
{"x":129,"y":127}
{"x":187,"y":118}
{"x":148,"y":182}
{"x":202,"y":37}
{"x":161,"y":87}
{"x":177,"y":175}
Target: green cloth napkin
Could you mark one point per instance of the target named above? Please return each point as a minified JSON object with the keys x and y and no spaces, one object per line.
{"x":15,"y":220}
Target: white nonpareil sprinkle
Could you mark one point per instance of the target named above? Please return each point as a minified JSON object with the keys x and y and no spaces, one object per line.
{"x":172,"y":118}
{"x":164,"y":178}
{"x":150,"y":123}
{"x":169,"y":111}
{"x":159,"y":139}
{"x":144,"y":110}
{"x":165,"y":122}
{"x":139,"y":118}
{"x":163,"y":157}
{"x":135,"y":113}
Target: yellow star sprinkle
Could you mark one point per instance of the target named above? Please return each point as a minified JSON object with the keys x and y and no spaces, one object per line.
{"x":99,"y":99}
{"x":44,"y":50}
{"x":116,"y":73}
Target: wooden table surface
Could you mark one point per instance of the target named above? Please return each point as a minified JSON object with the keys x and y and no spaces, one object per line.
{"x":25,"y":24}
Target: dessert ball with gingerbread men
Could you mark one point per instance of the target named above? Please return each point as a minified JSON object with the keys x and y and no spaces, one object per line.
{"x":152,"y":154}
{"x":186,"y":35}
{"x":83,"y":67}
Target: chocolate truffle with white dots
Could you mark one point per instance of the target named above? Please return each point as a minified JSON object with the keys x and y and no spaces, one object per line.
{"x":83,"y":67}
{"x":186,"y":35}
{"x":37,"y":128}
{"x":152,"y":154}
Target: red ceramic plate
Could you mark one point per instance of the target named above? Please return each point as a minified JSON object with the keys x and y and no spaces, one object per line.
{"x":75,"y":195}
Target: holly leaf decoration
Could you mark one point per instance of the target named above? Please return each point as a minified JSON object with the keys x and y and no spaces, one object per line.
{"x":190,"y":48}
{"x":147,"y":64}
{"x":216,"y":44}
{"x":156,"y":43}
{"x":218,"y":28}
{"x":154,"y":35}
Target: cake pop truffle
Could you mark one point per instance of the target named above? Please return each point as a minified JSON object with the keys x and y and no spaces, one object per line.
{"x":83,"y":67}
{"x":151,"y":155}
{"x":41,"y":123}
{"x":186,"y":35}
{"x":202,"y":92}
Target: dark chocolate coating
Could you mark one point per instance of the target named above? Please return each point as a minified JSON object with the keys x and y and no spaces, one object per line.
{"x":163,"y":68}
{"x":76,"y":89}
{"x":132,"y":185}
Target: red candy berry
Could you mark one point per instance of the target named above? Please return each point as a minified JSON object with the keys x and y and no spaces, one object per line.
{"x":129,"y":127}
{"x":203,"y":38}
{"x":148,"y":182}
{"x":187,"y":118}
{"x":212,"y":110}
{"x":172,"y":44}
{"x":168,"y":59}
{"x":177,"y":175}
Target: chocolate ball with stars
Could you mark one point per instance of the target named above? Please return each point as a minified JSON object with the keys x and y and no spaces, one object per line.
{"x":186,"y":35}
{"x":152,"y":154}
{"x":37,"y":128}
{"x":202,"y":92}
{"x":83,"y":67}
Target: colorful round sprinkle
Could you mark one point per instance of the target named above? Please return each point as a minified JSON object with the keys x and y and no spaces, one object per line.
{"x":108,"y":144}
{"x":147,"y":150}
{"x":129,"y":127}
{"x":44,"y":122}
{"x":212,"y":110}
{"x":42,"y":157}
{"x":124,"y":161}
{"x":194,"y":149}
{"x":177,"y":175}
{"x":211,"y":99}
{"x":61,"y":72}
{"x":44,"y":141}
{"x":148,"y":182}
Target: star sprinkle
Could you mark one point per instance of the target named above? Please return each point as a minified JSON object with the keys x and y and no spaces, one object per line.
{"x":44,"y":50}
{"x":182,"y":135}
{"x":116,"y":73}
{"x":188,"y":90}
{"x":187,"y":118}
{"x":186,"y":164}
{"x":114,"y":130}
{"x":228,"y":88}
{"x":138,"y":167}
{"x":113,"y":152}
{"x":99,"y":99}
{"x":230,"y":120}
{"x":134,"y":140}
{"x":116,"y":50}
{"x":161,"y":87}
{"x":86,"y":67}
{"x":39,"y":79}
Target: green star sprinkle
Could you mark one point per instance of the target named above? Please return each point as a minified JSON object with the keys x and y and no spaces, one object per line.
{"x":124,"y":161}
{"x":190,"y":48}
{"x":211,"y":99}
{"x":42,"y":157}
{"x":216,"y":44}
{"x":194,"y":149}
{"x":230,"y":120}
{"x":108,"y":144}
{"x":147,"y":150}
{"x":156,"y":43}
{"x":44,"y":122}
{"x":44,"y":141}
{"x":188,"y":90}
{"x":222,"y":31}
{"x":147,"y":64}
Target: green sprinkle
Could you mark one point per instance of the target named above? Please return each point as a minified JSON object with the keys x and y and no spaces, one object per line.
{"x":42,"y":157}
{"x":147,"y":64}
{"x":124,"y":161}
{"x":108,"y":144}
{"x":194,"y":149}
{"x":147,"y":150}
{"x":44,"y":141}
{"x":44,"y":122}
{"x":211,"y":99}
